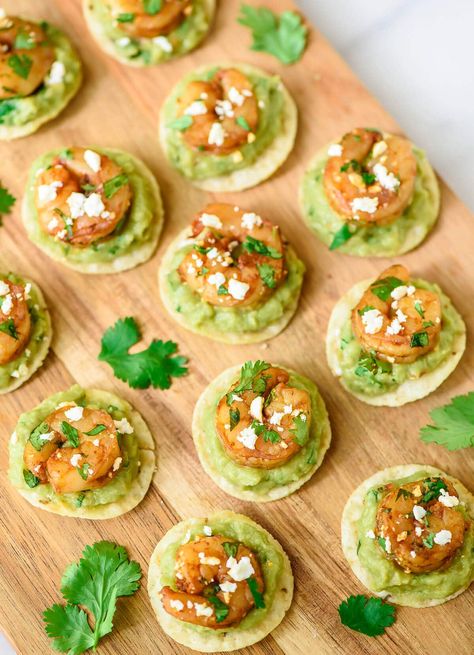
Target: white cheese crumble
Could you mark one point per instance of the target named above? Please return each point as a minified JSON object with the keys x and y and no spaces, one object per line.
{"x":251,"y":220}
{"x":275,"y":418}
{"x":370,"y":534}
{"x":20,"y":371}
{"x":48,"y":192}
{"x":216,"y":279}
{"x":163,"y":43}
{"x":401,"y":316}
{"x":379,"y":148}
{"x":210,"y":220}
{"x":93,"y":205}
{"x":75,"y":459}
{"x":196,"y":108}
{"x":372,"y":321}
{"x":202,"y":609}
{"x":365,"y":204}
{"x":412,"y":554}
{"x":123,"y":426}
{"x":210,"y":561}
{"x":419,"y":512}
{"x":7,"y":304}
{"x":177,"y":605}
{"x":442,"y":537}
{"x":57,"y":73}
{"x":236,"y":97}
{"x":92,"y":159}
{"x":247,"y":437}
{"x":216,"y":135}
{"x":76,"y":204}
{"x":116,"y":464}
{"x":224,"y":108}
{"x":74,"y":414}
{"x":53,"y":224}
{"x":447,"y":500}
{"x":387,"y":180}
{"x":256,"y":408}
{"x":395,"y":327}
{"x":238,"y":289}
{"x":418,"y":531}
{"x":228,"y":587}
{"x":4,"y":288}
{"x":123,"y":42}
{"x":207,"y":530}
{"x":335,"y":150}
{"x":240,"y":570}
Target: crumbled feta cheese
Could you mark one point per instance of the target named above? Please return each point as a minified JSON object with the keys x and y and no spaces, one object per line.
{"x":20,"y":371}
{"x":56,"y":73}
{"x":224,"y":108}
{"x":388,"y":545}
{"x":210,"y":220}
{"x":419,"y":512}
{"x":379,"y":148}
{"x":116,"y":464}
{"x":163,"y":43}
{"x":75,"y":459}
{"x":207,"y":530}
{"x":216,"y":279}
{"x":238,"y":289}
{"x":74,"y":414}
{"x":386,"y":180}
{"x":189,"y":605}
{"x":442,"y":537}
{"x":256,"y":408}
{"x":4,"y":288}
{"x":202,"y":609}
{"x":236,"y":97}
{"x":410,"y":290}
{"x":247,"y":437}
{"x":372,"y":321}
{"x":418,"y":531}
{"x":395,"y":327}
{"x":216,"y":135}
{"x":251,"y":220}
{"x":123,"y":42}
{"x":236,"y":398}
{"x":48,"y":192}
{"x":228,"y":587}
{"x":76,"y":204}
{"x":213,"y":253}
{"x":7,"y":304}
{"x":365,"y":204}
{"x":196,"y":108}
{"x":92,"y":159}
{"x":399,"y":292}
{"x":191,"y":269}
{"x":53,"y":224}
{"x":335,"y":150}
{"x":370,"y":534}
{"x":412,"y":554}
{"x":93,"y":205}
{"x":177,"y":605}
{"x":447,"y":500}
{"x":275,"y":418}
{"x":401,"y":316}
{"x":240,"y":570}
{"x":287,"y":409}
{"x":123,"y":426}
{"x":210,"y":561}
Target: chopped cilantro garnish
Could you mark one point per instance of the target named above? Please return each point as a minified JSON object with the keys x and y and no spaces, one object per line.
{"x":432,"y":488}
{"x":257,"y":595}
{"x":240,"y":120}
{"x":20,"y":65}
{"x":249,"y":375}
{"x":181,"y":123}
{"x":419,"y":339}
{"x":30,"y":479}
{"x":341,"y":236}
{"x":350,"y":164}
{"x":96,"y":430}
{"x":222,"y":291}
{"x":114,"y":184}
{"x":126,"y":18}
{"x":419,"y":308}
{"x":24,"y":41}
{"x":71,"y":434}
{"x":256,"y":246}
{"x":384,"y":287}
{"x":230,"y":548}
{"x":367,"y":308}
{"x":301,"y":430}
{"x":35,"y":437}
{"x":368,"y":364}
{"x":221,"y":610}
{"x":152,"y":7}
{"x":404,"y":492}
{"x":428,"y":541}
{"x":8,"y":327}
{"x":261,"y":430}
{"x":267,"y":275}
{"x":234,"y":417}
{"x":82,"y":470}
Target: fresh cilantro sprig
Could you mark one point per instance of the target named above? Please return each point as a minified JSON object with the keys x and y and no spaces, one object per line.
{"x":154,"y":366}
{"x":283,"y":36}
{"x":250,"y":379}
{"x":103,"y":574}
{"x":6,"y":201}
{"x":453,"y":424}
{"x":367,"y":615}
{"x":256,"y":246}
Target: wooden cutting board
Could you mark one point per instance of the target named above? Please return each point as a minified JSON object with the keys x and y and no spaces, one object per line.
{"x":118,"y":106}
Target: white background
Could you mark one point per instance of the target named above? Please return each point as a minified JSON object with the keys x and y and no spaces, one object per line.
{"x":417,"y":58}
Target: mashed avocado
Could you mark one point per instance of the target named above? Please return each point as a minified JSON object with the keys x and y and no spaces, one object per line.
{"x":404,"y":234}
{"x":35,"y":350}
{"x":50,"y":98}
{"x":387,"y":576}
{"x":114,"y":490}
{"x":197,"y":165}
{"x":386,"y":377}
{"x":134,"y":238}
{"x":255,"y":538}
{"x":149,"y":51}
{"x":204,"y":317}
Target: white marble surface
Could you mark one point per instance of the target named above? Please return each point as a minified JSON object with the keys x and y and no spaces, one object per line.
{"x":417,"y":58}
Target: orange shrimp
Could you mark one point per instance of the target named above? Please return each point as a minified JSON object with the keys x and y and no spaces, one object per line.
{"x":146,"y":21}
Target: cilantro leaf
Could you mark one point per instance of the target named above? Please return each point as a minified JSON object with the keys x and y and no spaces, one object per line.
{"x":257,"y":595}
{"x":384,"y":287}
{"x":419,"y":339}
{"x":71,"y":434}
{"x":6,"y":199}
{"x":453,"y":424}
{"x":240,"y":120}
{"x":96,"y":430}
{"x":230,"y":548}
{"x":234,"y":417}
{"x":220,"y":608}
{"x":152,"y":7}
{"x":248,"y":374}
{"x":36,"y":439}
{"x":367,"y":615}
{"x":114,"y":184}
{"x":24,"y":41}
{"x":267,"y":275}
{"x":6,"y":107}
{"x":154,"y":366}
{"x":340,"y":237}
{"x":30,"y":478}
{"x":102,"y":575}
{"x":253,"y":245}
{"x":8,"y":327}
{"x":301,"y":430}
{"x":181,"y":123}
{"x":20,"y":65}
{"x":283,"y":36}
{"x":126,"y":18}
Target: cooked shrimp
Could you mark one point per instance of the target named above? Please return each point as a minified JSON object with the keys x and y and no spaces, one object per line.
{"x":418,"y":524}
{"x":83,"y":461}
{"x":396,"y":320}
{"x":370,"y":178}
{"x":25,"y":57}
{"x":238,"y":258}
{"x":224,"y":112}
{"x":260,"y":419}
{"x":81,"y":197}
{"x":15,"y":321}
{"x":209,"y":579}
{"x":152,"y":22}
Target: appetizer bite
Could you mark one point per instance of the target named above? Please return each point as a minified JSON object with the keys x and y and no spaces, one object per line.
{"x":228,"y":127}
{"x":148,"y":32}
{"x":84,"y":453}
{"x":219,"y":583}
{"x":372,"y":194}
{"x":94,"y":210}
{"x":25,"y":331}
{"x":395,"y":339}
{"x":408,"y":535}
{"x":261,"y":431}
{"x":40,"y":72}
{"x":232,"y":276}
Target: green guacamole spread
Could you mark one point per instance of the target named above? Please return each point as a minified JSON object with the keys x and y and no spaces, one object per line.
{"x":385,"y":377}
{"x":137,"y":228}
{"x":113,"y":490}
{"x":387,"y":576}
{"x":201,"y":315}
{"x":50,"y":97}
{"x":149,"y":51}
{"x":403,"y":234}
{"x":262,"y":481}
{"x":270,"y":559}
{"x":40,"y":327}
{"x":200,"y":165}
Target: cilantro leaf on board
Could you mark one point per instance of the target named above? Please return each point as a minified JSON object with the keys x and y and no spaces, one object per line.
{"x":6,"y":201}
{"x":367,"y":615}
{"x":102,"y":575}
{"x":453,"y":424}
{"x":283,"y":36}
{"x":154,"y":366}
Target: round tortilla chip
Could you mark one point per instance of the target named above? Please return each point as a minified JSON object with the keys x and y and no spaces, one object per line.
{"x":146,"y":455}
{"x":212,"y":641}
{"x":408,"y":391}
{"x":353,"y":511}
{"x":268,"y":162}
{"x":99,"y":32}
{"x":138,"y":254}
{"x":415,"y":235}
{"x":31,"y":366}
{"x":225,"y":337}
{"x":218,"y":387}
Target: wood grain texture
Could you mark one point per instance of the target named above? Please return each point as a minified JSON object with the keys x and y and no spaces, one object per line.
{"x":118,"y":107}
